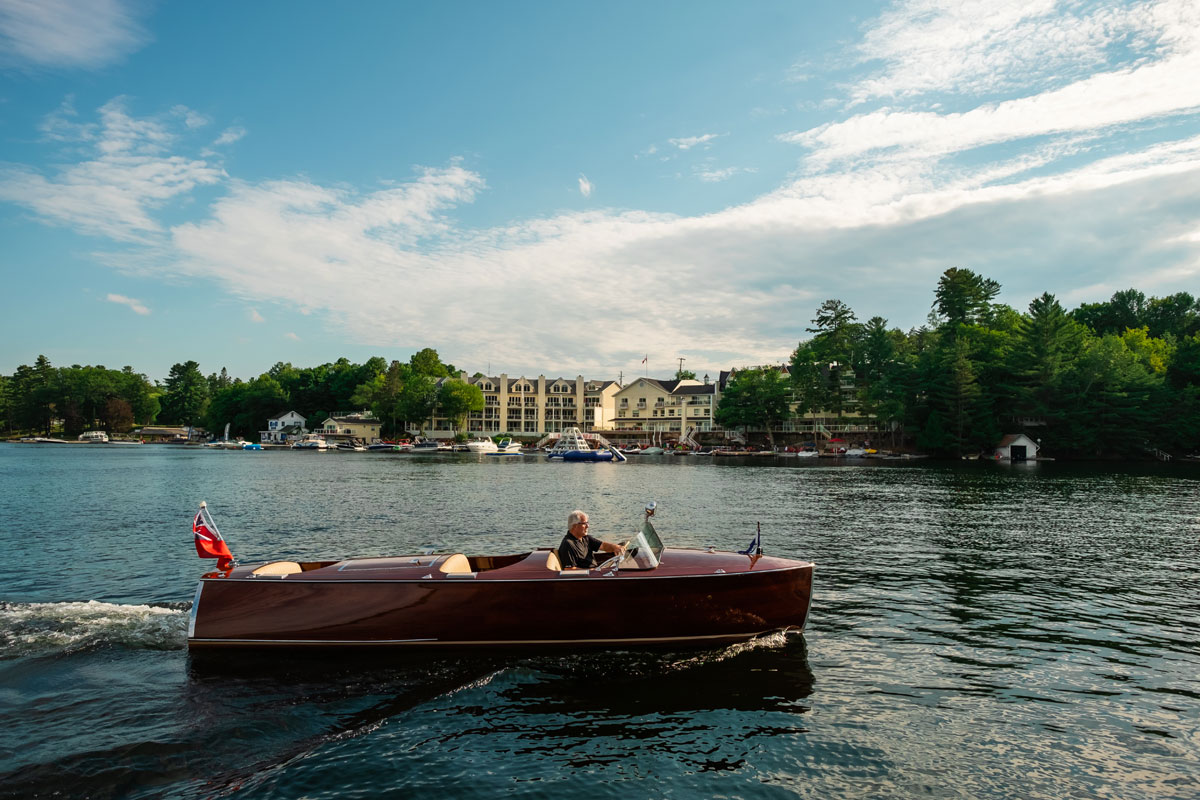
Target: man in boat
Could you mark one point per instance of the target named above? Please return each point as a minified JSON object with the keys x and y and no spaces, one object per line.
{"x":578,"y":549}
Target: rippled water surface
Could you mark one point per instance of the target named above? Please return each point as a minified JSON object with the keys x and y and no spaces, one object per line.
{"x":978,"y":630}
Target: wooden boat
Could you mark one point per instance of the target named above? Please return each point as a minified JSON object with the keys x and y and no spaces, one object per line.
{"x":652,"y":596}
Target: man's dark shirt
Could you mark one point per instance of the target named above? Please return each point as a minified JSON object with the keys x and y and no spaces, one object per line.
{"x":578,"y":552}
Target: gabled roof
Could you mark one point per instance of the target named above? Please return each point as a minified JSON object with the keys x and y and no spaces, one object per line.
{"x":693,"y":389}
{"x":1013,"y":438}
{"x":283,"y":414}
{"x":665,"y":386}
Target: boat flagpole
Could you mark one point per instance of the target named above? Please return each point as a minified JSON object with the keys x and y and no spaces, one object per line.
{"x":755,"y":548}
{"x":209,"y":542}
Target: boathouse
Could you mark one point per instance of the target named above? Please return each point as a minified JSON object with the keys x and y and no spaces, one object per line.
{"x":1017,"y":447}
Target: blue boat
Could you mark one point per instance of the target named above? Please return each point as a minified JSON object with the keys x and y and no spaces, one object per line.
{"x":586,"y":455}
{"x":573,"y":446}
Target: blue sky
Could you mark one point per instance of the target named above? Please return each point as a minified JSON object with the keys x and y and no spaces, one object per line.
{"x":568,"y":188}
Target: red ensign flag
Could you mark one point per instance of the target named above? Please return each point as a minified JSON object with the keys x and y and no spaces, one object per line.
{"x":209,"y":543}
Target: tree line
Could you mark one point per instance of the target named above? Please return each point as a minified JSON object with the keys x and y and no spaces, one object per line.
{"x":82,"y":398}
{"x":1116,"y":378}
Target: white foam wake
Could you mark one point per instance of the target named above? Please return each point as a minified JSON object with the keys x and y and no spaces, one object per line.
{"x":44,"y":628}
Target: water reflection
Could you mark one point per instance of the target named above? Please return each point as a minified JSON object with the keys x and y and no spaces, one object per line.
{"x":546,"y":705}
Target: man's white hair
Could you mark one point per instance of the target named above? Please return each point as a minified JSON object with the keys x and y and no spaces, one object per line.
{"x":575,"y":517}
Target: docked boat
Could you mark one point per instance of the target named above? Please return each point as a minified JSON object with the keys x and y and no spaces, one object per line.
{"x":94,"y":437}
{"x":652,"y":595}
{"x":311,"y":441}
{"x":572,"y":445}
{"x":483,"y":445}
{"x":507,"y":447}
{"x":425,"y":446}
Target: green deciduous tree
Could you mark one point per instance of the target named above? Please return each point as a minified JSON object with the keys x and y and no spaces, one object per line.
{"x":755,"y":398}
{"x":418,"y":397}
{"x":457,"y":399}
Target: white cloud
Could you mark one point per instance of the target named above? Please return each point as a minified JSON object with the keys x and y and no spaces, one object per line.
{"x":230,"y":135}
{"x":135,"y":305}
{"x":61,"y":125}
{"x":738,"y":279}
{"x":688,"y":142}
{"x":292,"y":336}
{"x":715,"y":175}
{"x":1098,"y":103}
{"x":975,"y":47}
{"x":114,"y":193}
{"x":255,"y":316}
{"x":191,"y":118}
{"x":585,"y":186}
{"x":68,"y":33}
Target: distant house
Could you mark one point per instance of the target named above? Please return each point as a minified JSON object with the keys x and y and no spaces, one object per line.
{"x":671,"y":408}
{"x":152,"y":433}
{"x":284,"y":428}
{"x":345,"y":425}
{"x":1017,"y":447}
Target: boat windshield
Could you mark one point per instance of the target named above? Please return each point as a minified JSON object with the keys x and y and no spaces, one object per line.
{"x":643,"y":551}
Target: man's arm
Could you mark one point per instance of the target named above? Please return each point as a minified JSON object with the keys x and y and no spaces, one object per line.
{"x":609,"y":547}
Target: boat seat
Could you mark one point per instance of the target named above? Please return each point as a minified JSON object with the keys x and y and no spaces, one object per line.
{"x":456,"y":564}
{"x":552,"y":561}
{"x":279,"y":568}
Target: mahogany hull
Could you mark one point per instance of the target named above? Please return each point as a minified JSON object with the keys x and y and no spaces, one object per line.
{"x":701,"y":598}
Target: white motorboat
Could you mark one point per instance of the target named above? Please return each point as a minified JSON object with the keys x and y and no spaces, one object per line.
{"x":94,"y":437}
{"x":483,"y":445}
{"x":311,"y":441}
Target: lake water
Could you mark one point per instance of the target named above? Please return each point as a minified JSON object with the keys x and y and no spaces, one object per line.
{"x":978,"y":631}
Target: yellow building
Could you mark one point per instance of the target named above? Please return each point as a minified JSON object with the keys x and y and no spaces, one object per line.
{"x":668,"y":409}
{"x":345,"y":425}
{"x":533,"y":407}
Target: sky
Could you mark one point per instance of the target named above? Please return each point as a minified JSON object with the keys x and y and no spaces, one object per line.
{"x":565,"y":188}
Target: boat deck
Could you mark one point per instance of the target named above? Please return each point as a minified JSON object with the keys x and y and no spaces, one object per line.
{"x":537,"y":565}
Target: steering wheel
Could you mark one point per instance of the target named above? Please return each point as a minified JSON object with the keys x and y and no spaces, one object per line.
{"x":627,"y":554}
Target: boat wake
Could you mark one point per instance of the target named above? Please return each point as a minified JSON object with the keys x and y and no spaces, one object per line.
{"x":635,"y":663}
{"x":772,"y":641}
{"x":36,"y":629}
